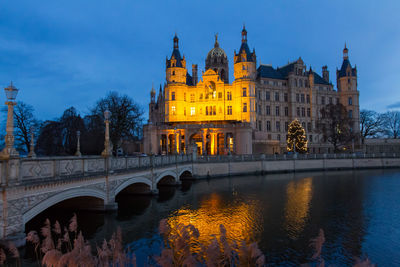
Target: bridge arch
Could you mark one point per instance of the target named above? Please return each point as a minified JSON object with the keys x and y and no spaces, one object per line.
{"x":135,"y":180}
{"x":185,"y":170}
{"x":165,"y":174}
{"x":59,"y":197}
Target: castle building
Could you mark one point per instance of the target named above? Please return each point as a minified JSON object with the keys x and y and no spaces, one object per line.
{"x":249,"y":115}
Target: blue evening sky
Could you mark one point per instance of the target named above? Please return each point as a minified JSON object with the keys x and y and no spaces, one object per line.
{"x":71,"y":53}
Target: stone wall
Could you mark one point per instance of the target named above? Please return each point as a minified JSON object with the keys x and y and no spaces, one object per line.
{"x":215,"y":168}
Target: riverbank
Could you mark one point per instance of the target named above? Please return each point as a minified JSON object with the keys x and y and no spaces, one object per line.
{"x":208,"y":167}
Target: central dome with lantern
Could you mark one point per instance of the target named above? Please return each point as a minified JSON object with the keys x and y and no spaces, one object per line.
{"x":218,"y":61}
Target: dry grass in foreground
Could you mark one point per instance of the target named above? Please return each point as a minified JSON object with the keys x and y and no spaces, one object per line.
{"x":61,"y":247}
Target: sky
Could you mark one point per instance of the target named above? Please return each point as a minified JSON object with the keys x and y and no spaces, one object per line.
{"x":71,"y":53}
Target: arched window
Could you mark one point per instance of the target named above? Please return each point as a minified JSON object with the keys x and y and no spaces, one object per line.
{"x":350,"y":101}
{"x":223,"y":74}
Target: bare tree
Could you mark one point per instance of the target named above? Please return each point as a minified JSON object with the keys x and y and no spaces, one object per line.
{"x":371,"y":124}
{"x":24,"y":121}
{"x":391,"y":124}
{"x":126,"y":117}
{"x":335,"y":125}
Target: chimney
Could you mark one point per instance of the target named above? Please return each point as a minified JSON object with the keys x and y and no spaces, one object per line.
{"x":194,"y":74}
{"x":325,"y":73}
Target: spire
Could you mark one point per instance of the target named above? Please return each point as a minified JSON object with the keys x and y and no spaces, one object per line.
{"x":345,"y":52}
{"x":216,"y":44}
{"x":244,"y":34}
{"x":176,"y":42}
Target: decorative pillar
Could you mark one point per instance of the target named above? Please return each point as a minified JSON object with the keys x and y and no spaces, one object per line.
{"x":32,"y":153}
{"x":177,"y":141}
{"x":78,"y":144}
{"x":9,"y":150}
{"x":107,"y":148}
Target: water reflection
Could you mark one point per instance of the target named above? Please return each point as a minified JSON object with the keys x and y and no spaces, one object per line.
{"x":299,"y":194}
{"x":241,"y":219}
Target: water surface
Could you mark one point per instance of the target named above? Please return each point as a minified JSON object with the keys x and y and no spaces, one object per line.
{"x":358,"y":211}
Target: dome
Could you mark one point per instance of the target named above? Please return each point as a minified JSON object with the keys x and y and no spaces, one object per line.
{"x":216,"y":51}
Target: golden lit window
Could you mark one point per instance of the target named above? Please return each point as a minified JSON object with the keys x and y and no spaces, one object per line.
{"x":229,"y":110}
{"x":214,"y":94}
{"x":173,"y":110}
{"x":192,"y":111}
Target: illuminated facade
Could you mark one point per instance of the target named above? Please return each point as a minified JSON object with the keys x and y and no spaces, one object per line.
{"x":249,"y":115}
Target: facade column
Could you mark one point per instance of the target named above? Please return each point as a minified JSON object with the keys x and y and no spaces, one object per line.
{"x":187,"y":142}
{"x":204,"y":135}
{"x":212,"y":137}
{"x":176,"y":138}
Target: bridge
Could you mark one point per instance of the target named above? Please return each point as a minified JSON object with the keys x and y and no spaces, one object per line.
{"x":32,"y":185}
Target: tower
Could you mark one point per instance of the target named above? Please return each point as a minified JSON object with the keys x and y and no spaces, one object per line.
{"x":245,"y":61}
{"x":346,"y":79}
{"x":176,"y":65}
{"x":218,"y":61}
{"x":245,"y":75}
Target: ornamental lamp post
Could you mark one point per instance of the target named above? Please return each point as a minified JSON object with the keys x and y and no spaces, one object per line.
{"x":78,"y":144}
{"x":107,"y":148}
{"x":9,"y":150}
{"x":32,"y":153}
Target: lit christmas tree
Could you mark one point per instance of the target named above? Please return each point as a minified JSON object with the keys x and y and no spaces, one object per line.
{"x":296,"y":137}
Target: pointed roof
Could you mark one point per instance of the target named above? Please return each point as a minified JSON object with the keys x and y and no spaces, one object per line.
{"x":175,"y":53}
{"x":244,"y":47}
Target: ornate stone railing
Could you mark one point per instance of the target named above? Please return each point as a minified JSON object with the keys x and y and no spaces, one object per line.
{"x":44,"y":168}
{"x":264,"y":157}
{"x":26,"y":170}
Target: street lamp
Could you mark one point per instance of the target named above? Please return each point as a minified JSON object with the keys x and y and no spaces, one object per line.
{"x":107,"y":148}
{"x":78,"y":144}
{"x":32,"y":144}
{"x":9,"y":150}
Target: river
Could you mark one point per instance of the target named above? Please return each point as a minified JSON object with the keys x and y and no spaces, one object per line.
{"x":359,"y":212}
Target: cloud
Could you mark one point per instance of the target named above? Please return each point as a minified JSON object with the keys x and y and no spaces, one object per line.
{"x":394,"y":105}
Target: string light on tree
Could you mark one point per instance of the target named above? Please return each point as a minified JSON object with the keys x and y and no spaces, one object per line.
{"x":296,"y":140}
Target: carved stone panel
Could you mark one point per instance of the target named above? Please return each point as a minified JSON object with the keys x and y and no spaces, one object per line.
{"x":71,"y":167}
{"x":133,"y":163}
{"x":118,"y":163}
{"x":37,"y":169}
{"x":94,"y":165}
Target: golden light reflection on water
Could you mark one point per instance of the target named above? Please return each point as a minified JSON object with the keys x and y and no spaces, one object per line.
{"x":242,"y":219}
{"x":299,"y":194}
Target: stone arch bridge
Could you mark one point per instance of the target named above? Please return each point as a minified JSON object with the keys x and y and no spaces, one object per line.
{"x":30,"y":186}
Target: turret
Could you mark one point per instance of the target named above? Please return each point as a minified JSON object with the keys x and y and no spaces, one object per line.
{"x":244,"y":60}
{"x":176,"y":65}
{"x":152,"y":105}
{"x":346,"y":79}
{"x":325,"y":73}
{"x":152,"y":95}
{"x":195,"y":78}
